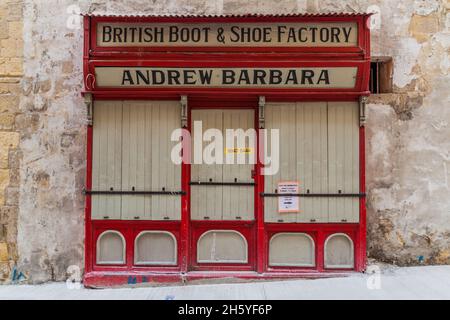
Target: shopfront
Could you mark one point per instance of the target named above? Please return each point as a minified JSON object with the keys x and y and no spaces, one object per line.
{"x":225,"y":146}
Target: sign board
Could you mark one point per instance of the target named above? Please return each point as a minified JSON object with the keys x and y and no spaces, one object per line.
{"x":288,"y":203}
{"x":264,"y":34}
{"x":301,"y":77}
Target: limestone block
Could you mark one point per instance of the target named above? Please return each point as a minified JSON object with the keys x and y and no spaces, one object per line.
{"x":8,"y":140}
{"x":4,"y":182}
{"x":3,"y":252}
{"x":6,"y":121}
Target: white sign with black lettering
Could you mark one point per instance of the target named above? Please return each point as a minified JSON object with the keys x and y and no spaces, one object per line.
{"x":288,"y":203}
{"x":223,"y":34}
{"x":294,"y":77}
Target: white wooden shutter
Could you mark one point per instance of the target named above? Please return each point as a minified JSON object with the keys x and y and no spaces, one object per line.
{"x":131,"y":150}
{"x":222,"y":202}
{"x":319,"y":147}
{"x":107,"y":158}
{"x":343,"y":153}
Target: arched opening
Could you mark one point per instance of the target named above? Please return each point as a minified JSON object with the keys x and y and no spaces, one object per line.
{"x":110,"y":248}
{"x":222,"y":246}
{"x":339,"y":251}
{"x":155,"y":248}
{"x":291,"y":249}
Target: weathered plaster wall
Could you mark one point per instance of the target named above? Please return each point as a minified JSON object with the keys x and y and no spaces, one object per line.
{"x":408,"y":137}
{"x":408,"y":132}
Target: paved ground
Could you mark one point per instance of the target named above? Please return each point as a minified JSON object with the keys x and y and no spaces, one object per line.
{"x":431,"y":282}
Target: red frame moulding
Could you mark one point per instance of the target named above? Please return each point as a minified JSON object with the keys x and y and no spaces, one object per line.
{"x":361,"y":50}
{"x":257,"y":232}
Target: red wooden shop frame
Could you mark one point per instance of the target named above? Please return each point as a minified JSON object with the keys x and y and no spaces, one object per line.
{"x":257,"y":232}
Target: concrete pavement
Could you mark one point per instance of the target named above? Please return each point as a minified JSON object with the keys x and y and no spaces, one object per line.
{"x":427,"y":282}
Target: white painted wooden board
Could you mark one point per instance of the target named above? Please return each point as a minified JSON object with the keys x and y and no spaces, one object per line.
{"x":129,"y":162}
{"x":106,"y":158}
{"x":155,"y":170}
{"x":131,"y":149}
{"x":302,"y":128}
{"x":222,"y":202}
{"x":203,"y":203}
{"x":319,"y":148}
{"x":343,"y":135}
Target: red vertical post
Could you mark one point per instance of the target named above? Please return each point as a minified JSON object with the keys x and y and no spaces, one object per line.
{"x":185,"y":204}
{"x":362,"y":237}
{"x":88,"y":259}
{"x":87,"y":214}
{"x":86,"y":47}
{"x":261,"y":256}
{"x":362,"y":232}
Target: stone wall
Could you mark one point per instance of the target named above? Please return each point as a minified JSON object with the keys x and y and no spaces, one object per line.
{"x":11,"y":55}
{"x":408,"y":145}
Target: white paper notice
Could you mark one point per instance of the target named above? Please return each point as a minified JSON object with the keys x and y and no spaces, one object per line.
{"x":288,"y":203}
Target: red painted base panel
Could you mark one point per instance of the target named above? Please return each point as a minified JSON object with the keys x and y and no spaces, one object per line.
{"x":98,"y":279}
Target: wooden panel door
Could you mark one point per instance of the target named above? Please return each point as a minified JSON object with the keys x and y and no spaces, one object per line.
{"x":303,"y":158}
{"x":131,"y":152}
{"x":213,"y":195}
{"x":106,"y":159}
{"x":206,"y":200}
{"x":319,"y":148}
{"x":343,"y":153}
{"x":146,"y":162}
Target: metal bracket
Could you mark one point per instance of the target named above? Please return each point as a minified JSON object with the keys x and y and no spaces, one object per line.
{"x":88,"y":103}
{"x":212,"y":183}
{"x":261,"y":116}
{"x":89,"y":82}
{"x":133,"y":192}
{"x":314,"y":195}
{"x":362,"y":110}
{"x":184,"y":113}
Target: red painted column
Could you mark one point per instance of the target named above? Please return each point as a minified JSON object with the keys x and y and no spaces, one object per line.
{"x":185,"y":205}
{"x":261,"y":251}
{"x":88,"y":259}
{"x":362,"y":232}
{"x":362,"y":236}
{"x":320,"y":245}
